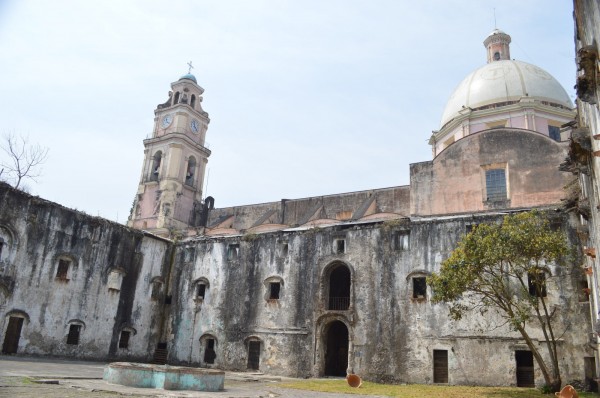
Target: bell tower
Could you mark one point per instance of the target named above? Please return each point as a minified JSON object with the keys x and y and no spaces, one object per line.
{"x":169,"y":195}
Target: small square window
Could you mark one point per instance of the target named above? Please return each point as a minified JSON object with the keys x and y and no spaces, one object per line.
{"x":419,"y":287}
{"x":401,"y":240}
{"x":233,"y":251}
{"x":73,"y":336}
{"x":200,"y":290}
{"x":188,"y":254}
{"x":470,"y":228}
{"x":63,"y":269}
{"x":340,"y":246}
{"x":114,"y":281}
{"x":275,"y":288}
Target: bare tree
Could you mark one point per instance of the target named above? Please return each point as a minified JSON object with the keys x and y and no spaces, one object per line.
{"x":20,"y":160}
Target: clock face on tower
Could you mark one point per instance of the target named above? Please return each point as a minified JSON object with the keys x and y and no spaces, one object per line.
{"x":166,"y":120}
{"x":195,"y":125}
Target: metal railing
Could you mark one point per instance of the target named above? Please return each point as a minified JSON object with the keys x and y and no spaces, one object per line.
{"x":339,"y":303}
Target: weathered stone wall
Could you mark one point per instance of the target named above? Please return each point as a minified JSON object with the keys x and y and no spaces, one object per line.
{"x":391,"y":334}
{"x":296,"y":212}
{"x":585,"y":162}
{"x":105,"y":289}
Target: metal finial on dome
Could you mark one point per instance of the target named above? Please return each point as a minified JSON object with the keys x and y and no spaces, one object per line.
{"x":190,"y":67}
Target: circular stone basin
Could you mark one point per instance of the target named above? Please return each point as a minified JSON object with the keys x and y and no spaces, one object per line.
{"x":164,"y":376}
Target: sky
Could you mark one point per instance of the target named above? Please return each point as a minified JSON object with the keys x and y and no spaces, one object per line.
{"x":306,"y":98}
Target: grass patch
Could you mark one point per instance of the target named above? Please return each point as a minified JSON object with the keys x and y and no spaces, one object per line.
{"x":419,"y":390}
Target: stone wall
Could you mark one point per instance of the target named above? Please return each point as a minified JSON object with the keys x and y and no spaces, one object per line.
{"x":392,"y":334}
{"x":60,"y":267}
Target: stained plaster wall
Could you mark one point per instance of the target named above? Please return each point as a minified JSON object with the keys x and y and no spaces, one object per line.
{"x":42,"y":232}
{"x":454,"y":182}
{"x":392,"y":335}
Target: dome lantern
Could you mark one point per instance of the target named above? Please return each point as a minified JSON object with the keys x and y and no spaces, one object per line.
{"x":498,"y":46}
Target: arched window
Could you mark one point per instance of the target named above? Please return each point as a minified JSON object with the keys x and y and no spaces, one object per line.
{"x":190,"y":172}
{"x":156,"y":161}
{"x":339,"y":288}
{"x":193,"y":101}
{"x":200,"y":289}
{"x":7,"y":244}
{"x":157,"y":284}
{"x":176,"y":99}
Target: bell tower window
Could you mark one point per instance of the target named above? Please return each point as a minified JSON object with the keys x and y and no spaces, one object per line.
{"x":156,"y":160}
{"x":191,"y":170}
{"x":193,"y":101}
{"x":176,"y":99}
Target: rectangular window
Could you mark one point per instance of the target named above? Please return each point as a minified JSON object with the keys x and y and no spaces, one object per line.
{"x":584,"y":291}
{"x":401,"y":240}
{"x":73,"y":336}
{"x":495,"y":184}
{"x":340,"y":246}
{"x":440,"y":366}
{"x":63,"y":269}
{"x":233,"y":251}
{"x":554,"y":133}
{"x":419,"y":287}
{"x":285,"y":249}
{"x":124,"y":339}
{"x":537,"y":283}
{"x":200,"y":290}
{"x":275,"y":288}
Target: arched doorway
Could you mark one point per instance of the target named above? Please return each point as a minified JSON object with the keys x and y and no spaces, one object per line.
{"x":336,"y":349}
{"x":339,"y":288}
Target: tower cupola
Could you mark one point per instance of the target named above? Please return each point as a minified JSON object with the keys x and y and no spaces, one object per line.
{"x":498,"y":46}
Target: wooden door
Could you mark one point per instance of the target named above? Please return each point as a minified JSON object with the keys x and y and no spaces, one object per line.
{"x":12,"y":336}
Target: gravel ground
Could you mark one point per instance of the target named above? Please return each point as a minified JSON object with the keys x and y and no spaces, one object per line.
{"x":35,"y":378}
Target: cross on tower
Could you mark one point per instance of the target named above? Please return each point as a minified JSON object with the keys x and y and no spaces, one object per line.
{"x":190,"y":67}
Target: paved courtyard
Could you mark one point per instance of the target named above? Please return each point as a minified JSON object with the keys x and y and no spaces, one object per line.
{"x":55,"y":378}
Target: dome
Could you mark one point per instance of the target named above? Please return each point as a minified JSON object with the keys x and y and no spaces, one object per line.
{"x":189,"y":76}
{"x":504,"y":81}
